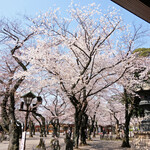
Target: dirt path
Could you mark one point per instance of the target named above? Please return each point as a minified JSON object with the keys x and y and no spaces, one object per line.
{"x":95,"y":144}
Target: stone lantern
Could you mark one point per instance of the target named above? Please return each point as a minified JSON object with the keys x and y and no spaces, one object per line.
{"x":144,"y":94}
{"x":142,"y":137}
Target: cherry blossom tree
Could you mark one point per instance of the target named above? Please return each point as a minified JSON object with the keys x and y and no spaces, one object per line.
{"x":133,"y":79}
{"x":116,"y":108}
{"x":95,"y":109}
{"x":12,"y":39}
{"x":78,"y":55}
{"x":56,"y":108}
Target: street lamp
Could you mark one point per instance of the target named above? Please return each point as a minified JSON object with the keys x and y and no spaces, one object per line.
{"x":27,"y":100}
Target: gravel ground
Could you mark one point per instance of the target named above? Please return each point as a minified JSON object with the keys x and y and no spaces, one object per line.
{"x":95,"y":144}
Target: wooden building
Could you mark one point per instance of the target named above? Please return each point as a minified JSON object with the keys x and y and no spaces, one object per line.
{"x":140,"y":8}
{"x":63,"y":128}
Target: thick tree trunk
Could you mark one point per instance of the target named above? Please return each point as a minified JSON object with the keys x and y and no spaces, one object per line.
{"x":77,"y":128}
{"x":84,"y":129}
{"x":83,"y":136}
{"x":76,"y":135}
{"x":80,"y":109}
{"x":125,"y":142}
{"x":128,"y":115}
{"x":4,"y":114}
{"x":13,"y":137}
{"x":13,"y":128}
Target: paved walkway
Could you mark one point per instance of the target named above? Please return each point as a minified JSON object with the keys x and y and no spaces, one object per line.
{"x":95,"y":144}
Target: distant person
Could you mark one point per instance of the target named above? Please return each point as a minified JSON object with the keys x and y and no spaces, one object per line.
{"x":69,"y":132}
{"x":104,"y":132}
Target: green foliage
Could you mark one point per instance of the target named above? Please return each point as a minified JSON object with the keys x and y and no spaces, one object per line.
{"x":144,"y":52}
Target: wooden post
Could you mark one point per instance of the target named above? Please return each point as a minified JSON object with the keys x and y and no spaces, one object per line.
{"x":23,"y":140}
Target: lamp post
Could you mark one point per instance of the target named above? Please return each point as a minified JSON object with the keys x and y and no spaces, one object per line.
{"x":27,"y":100}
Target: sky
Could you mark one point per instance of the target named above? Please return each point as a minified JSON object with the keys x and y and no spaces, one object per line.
{"x":13,"y":9}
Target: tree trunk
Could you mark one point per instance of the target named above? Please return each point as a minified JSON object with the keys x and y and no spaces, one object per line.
{"x":47,"y":128}
{"x":4,"y":114}
{"x":77,"y":128}
{"x":94,"y":131}
{"x":30,"y":128}
{"x":13,"y":137}
{"x":55,"y":132}
{"x":80,"y":109}
{"x":41,"y":145}
{"x":33,"y":129}
{"x":42,"y":125}
{"x":128,"y":115}
{"x":93,"y":125}
{"x":125,"y":142}
{"x":117,"y":130}
{"x":13,"y":128}
{"x":83,"y":136}
{"x":56,"y":127}
{"x":84,"y":129}
{"x":89,"y":129}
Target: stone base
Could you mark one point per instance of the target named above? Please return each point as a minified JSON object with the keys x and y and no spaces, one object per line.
{"x":145,"y":125}
{"x":141,"y":140}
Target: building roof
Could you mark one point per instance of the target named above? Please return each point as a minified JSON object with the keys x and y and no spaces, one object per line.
{"x":140,"y":8}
